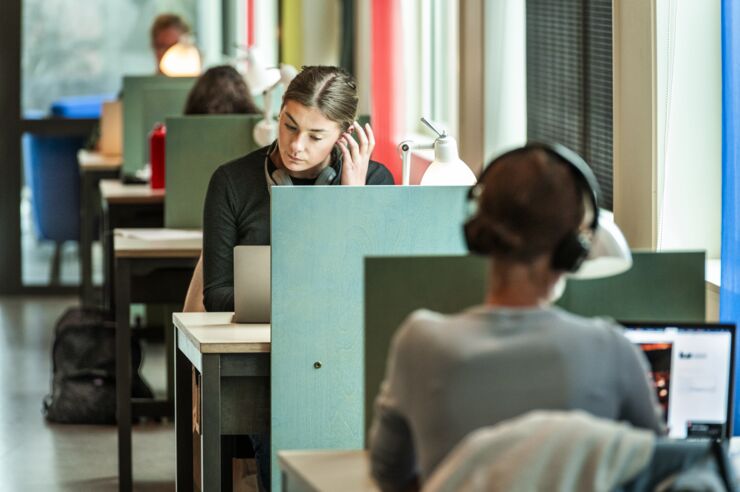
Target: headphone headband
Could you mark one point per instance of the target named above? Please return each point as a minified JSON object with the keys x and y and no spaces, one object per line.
{"x":583,"y":172}
{"x":574,"y":247}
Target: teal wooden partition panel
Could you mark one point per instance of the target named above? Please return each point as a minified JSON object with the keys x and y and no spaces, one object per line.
{"x":196,"y":146}
{"x":147,"y":100}
{"x":659,"y":287}
{"x":320,"y":236}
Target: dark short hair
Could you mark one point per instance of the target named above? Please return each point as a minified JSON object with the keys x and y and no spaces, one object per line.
{"x":167,"y":21}
{"x":529,"y":203}
{"x":220,"y":90}
{"x":331,"y":90}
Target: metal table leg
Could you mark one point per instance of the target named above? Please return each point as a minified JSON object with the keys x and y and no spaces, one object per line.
{"x":123,"y":373}
{"x":183,"y":421}
{"x":210,"y":378}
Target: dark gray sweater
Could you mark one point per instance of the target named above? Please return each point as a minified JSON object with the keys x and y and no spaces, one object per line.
{"x":450,"y":375}
{"x":237,"y":211}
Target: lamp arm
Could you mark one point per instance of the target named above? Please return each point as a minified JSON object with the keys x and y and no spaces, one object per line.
{"x":267,"y":102}
{"x":405,"y":149}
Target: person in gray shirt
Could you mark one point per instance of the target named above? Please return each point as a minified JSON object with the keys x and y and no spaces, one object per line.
{"x":448,"y":375}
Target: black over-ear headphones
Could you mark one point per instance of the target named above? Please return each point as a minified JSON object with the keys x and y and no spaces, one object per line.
{"x":574,"y":247}
{"x":279,"y":177}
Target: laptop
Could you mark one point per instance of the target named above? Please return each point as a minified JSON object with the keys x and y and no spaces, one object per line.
{"x":693,"y":369}
{"x":251,"y":284}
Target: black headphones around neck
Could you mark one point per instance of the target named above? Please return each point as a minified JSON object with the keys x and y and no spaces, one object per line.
{"x":575,"y":246}
{"x":279,"y":177}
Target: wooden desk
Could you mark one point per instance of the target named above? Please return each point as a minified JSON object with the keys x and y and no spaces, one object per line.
{"x":94,"y":167}
{"x":125,"y":206}
{"x":234,"y":364}
{"x":115,"y":191}
{"x":147,"y":270}
{"x":326,"y":471}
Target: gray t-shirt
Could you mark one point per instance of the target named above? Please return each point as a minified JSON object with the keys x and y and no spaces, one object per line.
{"x":450,"y":375}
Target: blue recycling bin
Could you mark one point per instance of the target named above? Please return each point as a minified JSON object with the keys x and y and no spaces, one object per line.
{"x":80,"y":106}
{"x":52,"y":173}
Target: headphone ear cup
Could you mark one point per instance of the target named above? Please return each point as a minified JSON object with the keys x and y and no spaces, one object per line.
{"x":281,"y":178}
{"x":326,"y":176}
{"x":571,"y":252}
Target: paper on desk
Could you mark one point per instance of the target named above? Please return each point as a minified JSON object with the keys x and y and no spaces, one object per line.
{"x":162,"y":234}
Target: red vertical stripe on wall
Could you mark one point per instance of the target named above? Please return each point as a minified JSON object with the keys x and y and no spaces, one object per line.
{"x":250,"y":23}
{"x":387,"y":83}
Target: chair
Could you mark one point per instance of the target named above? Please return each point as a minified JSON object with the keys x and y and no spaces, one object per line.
{"x":574,"y":451}
{"x":52,"y":174}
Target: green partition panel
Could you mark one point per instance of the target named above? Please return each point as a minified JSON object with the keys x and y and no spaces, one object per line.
{"x":666,"y":286}
{"x":196,"y":146}
{"x":147,"y":100}
{"x":320,"y":236}
{"x":395,"y":287}
{"x":659,"y":287}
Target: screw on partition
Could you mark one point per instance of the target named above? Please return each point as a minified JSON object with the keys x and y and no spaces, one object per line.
{"x":317,"y":365}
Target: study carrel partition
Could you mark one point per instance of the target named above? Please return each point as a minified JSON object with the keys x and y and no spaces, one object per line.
{"x":147,"y":100}
{"x":666,"y":286}
{"x":195,"y":147}
{"x":320,"y":236}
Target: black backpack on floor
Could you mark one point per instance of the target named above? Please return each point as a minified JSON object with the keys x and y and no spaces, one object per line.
{"x":83,"y":388}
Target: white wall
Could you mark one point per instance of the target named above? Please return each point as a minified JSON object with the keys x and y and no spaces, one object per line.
{"x":209,"y":36}
{"x":363,"y":23}
{"x":689,"y":140}
{"x":321,"y":32}
{"x":635,"y":127}
{"x":505,"y":76}
{"x":266,"y":30}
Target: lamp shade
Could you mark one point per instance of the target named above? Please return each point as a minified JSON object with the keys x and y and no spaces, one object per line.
{"x":287,"y":73}
{"x":259,"y":78}
{"x":610,"y":253}
{"x":447,"y":169}
{"x":181,"y":60}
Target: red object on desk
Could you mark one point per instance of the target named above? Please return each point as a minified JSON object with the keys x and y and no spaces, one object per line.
{"x":156,"y":155}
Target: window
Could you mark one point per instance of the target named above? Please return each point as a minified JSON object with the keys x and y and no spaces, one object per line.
{"x":430,"y":41}
{"x":76,"y":47}
{"x":569,"y":80}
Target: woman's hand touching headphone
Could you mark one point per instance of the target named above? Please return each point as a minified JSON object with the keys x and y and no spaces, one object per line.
{"x":356,"y":156}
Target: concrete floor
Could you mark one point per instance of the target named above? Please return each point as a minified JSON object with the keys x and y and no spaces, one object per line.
{"x":36,"y":456}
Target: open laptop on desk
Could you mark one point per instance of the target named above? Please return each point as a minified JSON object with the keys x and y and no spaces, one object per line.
{"x":251,"y":284}
{"x":693,"y":368}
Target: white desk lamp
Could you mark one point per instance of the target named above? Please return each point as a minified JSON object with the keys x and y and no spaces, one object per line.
{"x":264,"y":80}
{"x":446,"y":169}
{"x":265,"y":131}
{"x":258,"y":77}
{"x":610,"y":254}
{"x":181,"y":59}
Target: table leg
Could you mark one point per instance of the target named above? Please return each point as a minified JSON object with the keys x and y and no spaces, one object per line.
{"x":86,"y":239}
{"x":183,"y":421}
{"x":106,"y":238}
{"x":210,"y":378}
{"x":123,"y":373}
{"x":169,"y":340}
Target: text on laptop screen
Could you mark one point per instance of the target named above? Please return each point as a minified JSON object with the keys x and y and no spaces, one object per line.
{"x":692,"y":368}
